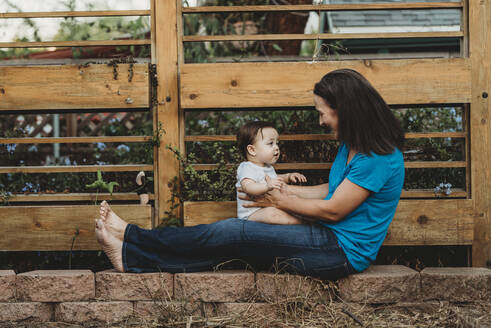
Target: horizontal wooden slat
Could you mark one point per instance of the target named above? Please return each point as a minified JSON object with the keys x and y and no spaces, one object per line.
{"x":79,"y":168}
{"x":73,"y":87}
{"x":99,"y":13}
{"x":246,"y":85}
{"x":308,"y":137}
{"x":73,"y":140}
{"x":325,"y":166}
{"x":434,"y":164}
{"x":319,"y":36}
{"x":74,"y":197}
{"x":426,"y":193}
{"x":87,"y":43}
{"x":52,"y":228}
{"x":416,"y":222}
{"x":323,"y":7}
{"x":421,"y":135}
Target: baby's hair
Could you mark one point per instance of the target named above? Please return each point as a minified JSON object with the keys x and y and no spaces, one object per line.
{"x":248,"y":133}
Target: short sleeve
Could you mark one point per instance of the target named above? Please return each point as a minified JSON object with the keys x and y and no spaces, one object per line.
{"x":369,"y":172}
{"x":248,"y":171}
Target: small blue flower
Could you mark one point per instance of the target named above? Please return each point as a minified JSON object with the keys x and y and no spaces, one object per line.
{"x":11,"y":148}
{"x":101,"y":146}
{"x":123,"y":148}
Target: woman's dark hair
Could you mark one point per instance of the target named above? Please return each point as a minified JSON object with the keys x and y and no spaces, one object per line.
{"x":365,"y":122}
{"x":248,"y":132}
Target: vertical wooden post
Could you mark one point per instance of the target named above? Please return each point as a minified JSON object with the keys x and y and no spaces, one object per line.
{"x":167,"y":98}
{"x":480,"y":122}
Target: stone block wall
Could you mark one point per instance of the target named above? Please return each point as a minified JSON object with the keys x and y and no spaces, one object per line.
{"x":77,"y":296}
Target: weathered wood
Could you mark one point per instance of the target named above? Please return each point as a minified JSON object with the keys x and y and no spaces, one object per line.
{"x":480,"y":128}
{"x":86,"y":43}
{"x":73,"y":140}
{"x":305,"y":137}
{"x":248,"y":85}
{"x":325,"y":166}
{"x":416,"y":222}
{"x":73,"y":87}
{"x":50,"y":228}
{"x":324,"y":7}
{"x":74,"y":197}
{"x":167,"y":97}
{"x":95,"y":13}
{"x":319,"y":36}
{"x":76,"y":168}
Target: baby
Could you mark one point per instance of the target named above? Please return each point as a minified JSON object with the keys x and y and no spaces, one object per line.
{"x":258,"y":143}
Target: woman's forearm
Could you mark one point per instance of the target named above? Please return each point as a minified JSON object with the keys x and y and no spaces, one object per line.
{"x":314,"y":192}
{"x":317,"y":209}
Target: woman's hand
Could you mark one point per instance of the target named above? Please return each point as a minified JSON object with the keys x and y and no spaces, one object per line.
{"x":269,"y":199}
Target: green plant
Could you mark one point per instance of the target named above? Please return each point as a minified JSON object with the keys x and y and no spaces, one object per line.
{"x":101,"y":184}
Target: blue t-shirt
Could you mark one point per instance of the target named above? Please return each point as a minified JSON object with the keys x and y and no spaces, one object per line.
{"x":361,"y":233}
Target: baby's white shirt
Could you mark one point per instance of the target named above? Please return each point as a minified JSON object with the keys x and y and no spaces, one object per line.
{"x":249,"y":170}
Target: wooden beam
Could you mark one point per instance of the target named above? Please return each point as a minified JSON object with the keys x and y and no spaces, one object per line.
{"x":310,"y":137}
{"x":247,"y":85}
{"x":76,"y":168}
{"x":52,"y":228}
{"x":73,"y":87}
{"x":480,"y":128}
{"x":167,"y":98}
{"x":98,"y":13}
{"x":324,"y":7}
{"x":74,"y":197}
{"x":319,"y":36}
{"x":416,"y":222}
{"x":86,"y":43}
{"x":325,"y":166}
{"x":74,"y":140}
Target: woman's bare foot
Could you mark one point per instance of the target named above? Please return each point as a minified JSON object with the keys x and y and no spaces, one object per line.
{"x":110,"y":245}
{"x":114,"y":224}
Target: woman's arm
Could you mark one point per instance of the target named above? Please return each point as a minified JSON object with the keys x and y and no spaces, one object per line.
{"x":314,"y":192}
{"x":347,"y":197}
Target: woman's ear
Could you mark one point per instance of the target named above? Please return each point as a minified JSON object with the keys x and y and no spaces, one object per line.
{"x":251,"y":150}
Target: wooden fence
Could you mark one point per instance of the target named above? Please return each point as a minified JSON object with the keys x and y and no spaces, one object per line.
{"x":421,"y":219}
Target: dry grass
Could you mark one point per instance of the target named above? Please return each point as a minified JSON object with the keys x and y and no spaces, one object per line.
{"x":287,"y":302}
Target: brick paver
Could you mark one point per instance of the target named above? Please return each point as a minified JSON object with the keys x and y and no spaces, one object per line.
{"x":28,"y":311}
{"x":7,"y":285}
{"x":112,"y":285}
{"x":228,"y":286}
{"x":381,"y":284}
{"x":456,"y":284}
{"x":56,"y":285}
{"x":78,"y":312}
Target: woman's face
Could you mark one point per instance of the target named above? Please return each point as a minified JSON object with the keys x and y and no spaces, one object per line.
{"x":328,"y":117}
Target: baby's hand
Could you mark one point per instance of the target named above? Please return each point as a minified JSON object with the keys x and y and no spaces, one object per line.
{"x":296,"y":177}
{"x":274,"y":183}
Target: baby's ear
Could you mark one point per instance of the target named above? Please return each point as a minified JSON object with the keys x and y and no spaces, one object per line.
{"x":251,"y":150}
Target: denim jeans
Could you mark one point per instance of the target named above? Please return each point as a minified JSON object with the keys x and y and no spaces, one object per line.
{"x":307,"y":249}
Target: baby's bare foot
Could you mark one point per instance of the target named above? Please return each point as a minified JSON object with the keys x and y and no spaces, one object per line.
{"x":114,"y":224}
{"x":110,"y":245}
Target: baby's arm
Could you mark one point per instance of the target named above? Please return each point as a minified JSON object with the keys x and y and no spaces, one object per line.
{"x":293,"y":177}
{"x":253,"y":188}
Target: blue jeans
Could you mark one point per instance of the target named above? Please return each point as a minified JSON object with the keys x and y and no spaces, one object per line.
{"x":301,"y":249}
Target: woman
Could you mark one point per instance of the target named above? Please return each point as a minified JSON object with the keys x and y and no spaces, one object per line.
{"x":350,"y":216}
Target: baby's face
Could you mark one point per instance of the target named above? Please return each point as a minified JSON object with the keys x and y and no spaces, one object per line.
{"x":266,"y":146}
